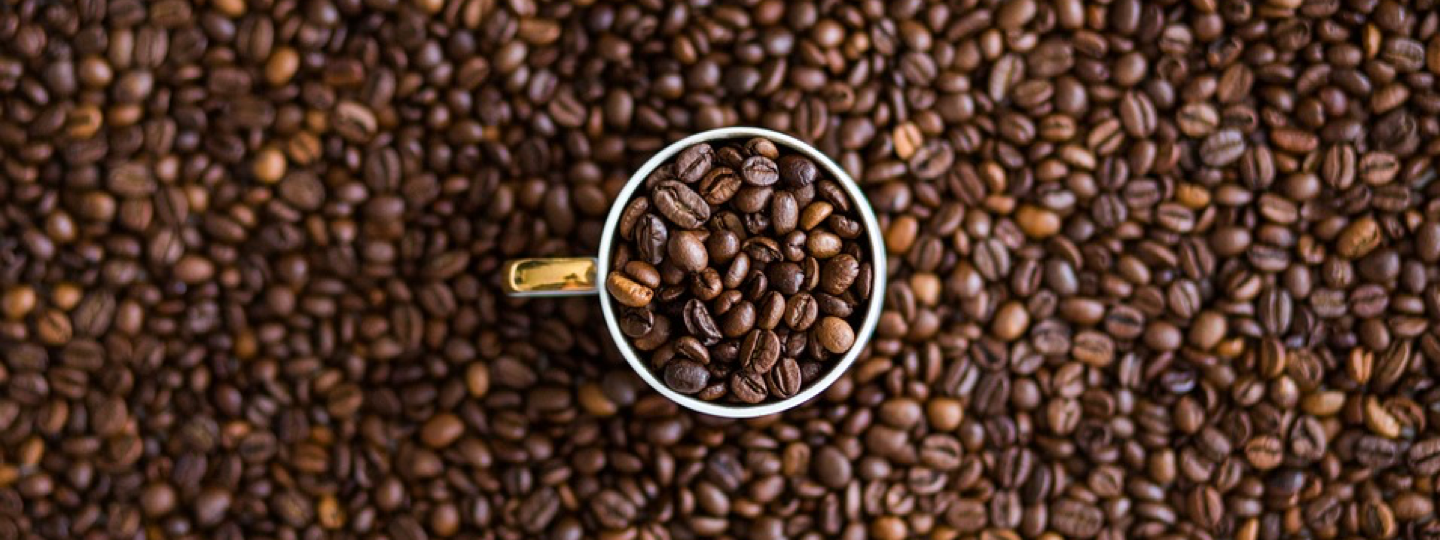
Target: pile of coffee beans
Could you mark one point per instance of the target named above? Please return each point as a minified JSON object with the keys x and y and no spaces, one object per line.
{"x":740,"y":271}
{"x":1155,"y":269}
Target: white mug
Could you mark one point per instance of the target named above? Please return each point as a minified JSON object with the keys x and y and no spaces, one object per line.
{"x":584,"y":276}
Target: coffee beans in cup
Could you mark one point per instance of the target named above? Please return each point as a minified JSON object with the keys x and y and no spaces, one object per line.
{"x":739,"y":272}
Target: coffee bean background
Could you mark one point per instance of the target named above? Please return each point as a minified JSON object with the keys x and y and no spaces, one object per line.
{"x":1158,"y":269}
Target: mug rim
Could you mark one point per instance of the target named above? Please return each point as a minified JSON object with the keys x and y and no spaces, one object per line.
{"x":877,"y":264}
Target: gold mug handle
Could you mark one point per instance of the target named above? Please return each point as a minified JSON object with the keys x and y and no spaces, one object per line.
{"x":573,"y":276}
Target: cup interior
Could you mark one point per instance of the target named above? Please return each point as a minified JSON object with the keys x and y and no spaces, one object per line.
{"x":875,"y":246}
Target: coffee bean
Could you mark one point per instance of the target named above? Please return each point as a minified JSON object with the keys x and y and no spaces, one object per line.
{"x":1424,"y":456}
{"x":785,"y":277}
{"x":1011,"y":321}
{"x":738,"y":320}
{"x":823,"y":245}
{"x":839,"y":274}
{"x":211,"y":506}
{"x":691,"y":165}
{"x":354,"y":121}
{"x":441,"y":430}
{"x":690,"y":348}
{"x":1358,"y":238}
{"x":687,"y":251}
{"x":1222,"y":148}
{"x":770,"y":310}
{"x":1094,"y":348}
{"x":1198,"y":119}
{"x":967,"y":515}
{"x":760,"y":351}
{"x":1076,"y":519}
{"x":1375,"y":451}
{"x":538,"y":509}
{"x":1307,"y":439}
{"x":1378,"y":168}
{"x":658,"y":335}
{"x":738,"y":271}
{"x":797,"y":171}
{"x":785,"y":378}
{"x":700,"y":323}
{"x":801,"y":311}
{"x":748,"y":387}
{"x":785,"y":213}
{"x":630,"y":216}
{"x":760,"y":171}
{"x":681,"y":205}
{"x":613,"y":510}
{"x":834,"y":305}
{"x":832,"y":468}
{"x":761,"y":146}
{"x":835,"y":335}
{"x":651,"y":238}
{"x":815,"y":214}
{"x":753,"y":200}
{"x":686,"y":376}
{"x":719,"y":186}
{"x":934,"y":158}
{"x":722,"y":245}
{"x":1137,"y":114}
{"x":643,"y":273}
{"x":627,"y":291}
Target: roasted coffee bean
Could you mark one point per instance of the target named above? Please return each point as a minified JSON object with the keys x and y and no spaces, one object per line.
{"x":630,"y":217}
{"x":785,"y":277}
{"x":760,"y":171}
{"x":691,"y":348}
{"x":626,"y":291}
{"x":770,"y":310}
{"x":651,"y":238}
{"x":834,"y":305}
{"x":1076,"y":519}
{"x":706,"y":284}
{"x":1222,"y":148}
{"x":686,"y":250}
{"x":839,"y":274}
{"x":722,"y":246}
{"x":784,"y":212}
{"x":693,"y":163}
{"x":1359,"y":238}
{"x":643,"y":273}
{"x":785,"y":378}
{"x":736,"y":273}
{"x":835,"y":334}
{"x":719,"y":185}
{"x":739,"y":318}
{"x":801,"y":311}
{"x":759,"y":351}
{"x":680,"y":204}
{"x":797,"y":171}
{"x":748,"y":387}
{"x":763,"y":250}
{"x":686,"y":376}
{"x":636,"y":322}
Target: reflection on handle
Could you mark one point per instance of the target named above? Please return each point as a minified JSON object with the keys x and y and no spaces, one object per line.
{"x":551,"y":277}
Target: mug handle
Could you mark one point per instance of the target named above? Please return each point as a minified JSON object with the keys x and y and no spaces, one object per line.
{"x":551,"y":277}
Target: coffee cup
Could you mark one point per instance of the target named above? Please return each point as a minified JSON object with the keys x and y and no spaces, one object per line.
{"x":555,"y":277}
